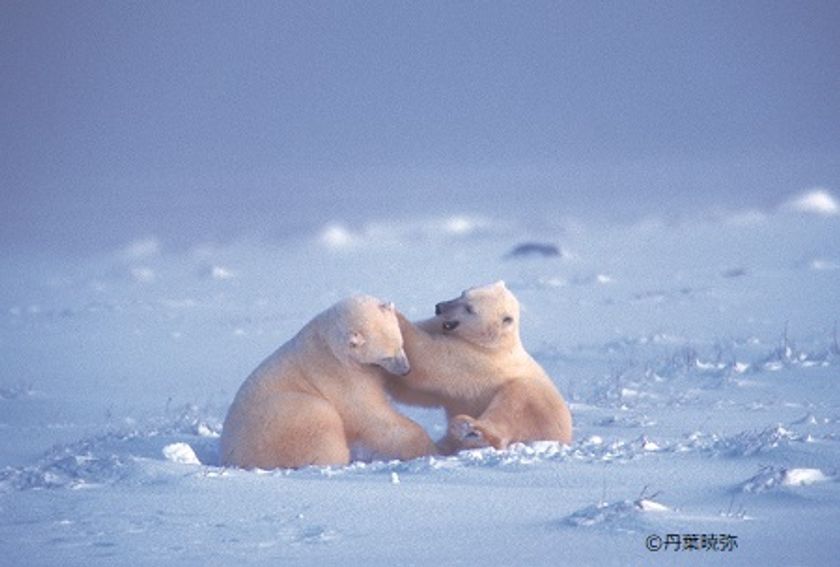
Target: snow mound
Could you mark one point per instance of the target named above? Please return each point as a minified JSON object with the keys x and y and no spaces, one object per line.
{"x":803,"y":477}
{"x":744,"y":444}
{"x":337,"y":237}
{"x":518,"y":456}
{"x":626,"y":515}
{"x":135,"y":456}
{"x":187,"y":435}
{"x":460,"y":224}
{"x":817,"y":201}
{"x":66,"y":469}
{"x":769,"y":478}
{"x":180,"y":453}
{"x":626,"y":421}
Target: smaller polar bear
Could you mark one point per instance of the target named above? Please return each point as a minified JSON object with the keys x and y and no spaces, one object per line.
{"x":469,"y":359}
{"x":322,"y":393}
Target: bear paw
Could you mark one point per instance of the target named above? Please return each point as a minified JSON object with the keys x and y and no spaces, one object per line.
{"x":471,"y":433}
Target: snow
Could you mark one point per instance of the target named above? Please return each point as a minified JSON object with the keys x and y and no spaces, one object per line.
{"x":817,"y":201}
{"x":141,"y":248}
{"x":221,"y":273}
{"x":772,"y":477}
{"x":462,"y":224}
{"x":651,"y":506}
{"x":337,"y":236}
{"x":803,"y":477}
{"x":180,"y":453}
{"x":143,"y":274}
{"x":699,"y":358}
{"x":821,"y":264}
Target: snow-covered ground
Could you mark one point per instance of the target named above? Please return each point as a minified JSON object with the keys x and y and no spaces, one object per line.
{"x":700,"y":359}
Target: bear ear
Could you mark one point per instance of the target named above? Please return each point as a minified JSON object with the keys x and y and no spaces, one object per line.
{"x":389,"y":306}
{"x":356,"y":339}
{"x":500,"y":284}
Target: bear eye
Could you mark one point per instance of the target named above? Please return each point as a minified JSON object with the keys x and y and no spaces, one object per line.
{"x":356,"y":339}
{"x":469,"y":309}
{"x":507,"y":320}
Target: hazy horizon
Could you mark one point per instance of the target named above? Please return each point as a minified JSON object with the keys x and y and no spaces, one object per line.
{"x":201,"y":121}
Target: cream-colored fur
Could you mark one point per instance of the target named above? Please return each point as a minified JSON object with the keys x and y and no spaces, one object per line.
{"x":469,"y":359}
{"x":323,"y":392}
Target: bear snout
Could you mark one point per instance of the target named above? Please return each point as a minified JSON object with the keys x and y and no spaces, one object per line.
{"x":397,"y":365}
{"x":445,"y":306}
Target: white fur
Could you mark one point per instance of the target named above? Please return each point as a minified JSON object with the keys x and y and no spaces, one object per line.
{"x":321,"y":393}
{"x":493,"y":391}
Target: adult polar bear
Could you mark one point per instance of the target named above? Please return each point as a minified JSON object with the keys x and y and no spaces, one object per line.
{"x":469,"y":359}
{"x":321,"y":393}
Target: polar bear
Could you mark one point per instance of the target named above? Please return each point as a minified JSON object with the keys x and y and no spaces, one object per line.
{"x":469,"y":359}
{"x":322,"y":393}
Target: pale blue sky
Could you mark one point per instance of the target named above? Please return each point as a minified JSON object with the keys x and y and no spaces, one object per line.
{"x":195,"y":120}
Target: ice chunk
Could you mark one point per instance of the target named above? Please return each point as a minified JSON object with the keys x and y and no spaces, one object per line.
{"x":647,"y":505}
{"x":180,"y":453}
{"x":803,"y":477}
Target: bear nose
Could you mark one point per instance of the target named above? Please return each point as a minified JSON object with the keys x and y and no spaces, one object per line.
{"x":397,"y":365}
{"x":401,"y":368}
{"x":443,"y":307}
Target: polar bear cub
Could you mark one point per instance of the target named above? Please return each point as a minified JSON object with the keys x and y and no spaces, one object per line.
{"x":322,"y":393}
{"x":469,"y":359}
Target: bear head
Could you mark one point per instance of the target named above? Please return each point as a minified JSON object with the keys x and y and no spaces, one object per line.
{"x":486,"y":316}
{"x":368,"y":333}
